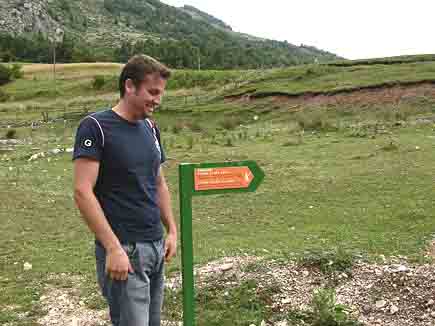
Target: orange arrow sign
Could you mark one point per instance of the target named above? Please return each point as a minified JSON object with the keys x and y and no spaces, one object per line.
{"x":223,"y":178}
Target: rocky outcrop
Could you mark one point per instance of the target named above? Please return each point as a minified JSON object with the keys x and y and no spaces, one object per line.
{"x":28,"y":16}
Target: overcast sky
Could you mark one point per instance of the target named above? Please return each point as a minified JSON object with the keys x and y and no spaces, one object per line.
{"x":354,"y":29}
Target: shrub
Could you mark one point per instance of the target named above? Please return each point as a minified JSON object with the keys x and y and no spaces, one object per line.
{"x":190,"y":142}
{"x":98,"y":82}
{"x":3,"y":96}
{"x":324,"y":311}
{"x":16,"y":71}
{"x":230,"y":123}
{"x":337,"y":260}
{"x":11,"y":134}
{"x":229,"y":142}
{"x":5,"y":75}
{"x":195,"y":126}
{"x":177,"y":128}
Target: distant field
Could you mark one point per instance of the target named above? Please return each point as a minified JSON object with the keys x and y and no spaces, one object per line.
{"x":385,"y":61}
{"x":71,"y":67}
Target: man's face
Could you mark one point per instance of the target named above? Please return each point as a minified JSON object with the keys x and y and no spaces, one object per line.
{"x":145,"y":98}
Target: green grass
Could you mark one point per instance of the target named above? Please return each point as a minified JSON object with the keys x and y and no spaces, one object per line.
{"x":385,"y":61}
{"x":332,"y":188}
{"x":327,"y":79}
{"x":315,"y":196}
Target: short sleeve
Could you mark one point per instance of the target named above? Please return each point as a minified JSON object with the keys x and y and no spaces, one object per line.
{"x":89,"y":140}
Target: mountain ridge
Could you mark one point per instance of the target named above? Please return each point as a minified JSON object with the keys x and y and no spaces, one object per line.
{"x":116,"y":27}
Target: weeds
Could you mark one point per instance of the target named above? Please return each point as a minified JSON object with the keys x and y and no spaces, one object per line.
{"x":314,"y":121}
{"x":98,"y":82}
{"x":328,"y":262}
{"x":230,"y":123}
{"x":176,"y":128}
{"x":323,"y":311}
{"x":11,"y":134}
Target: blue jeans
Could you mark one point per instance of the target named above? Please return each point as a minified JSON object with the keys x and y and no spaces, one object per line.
{"x":138,"y":300}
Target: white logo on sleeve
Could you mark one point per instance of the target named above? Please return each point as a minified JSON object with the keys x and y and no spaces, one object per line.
{"x":88,"y":143}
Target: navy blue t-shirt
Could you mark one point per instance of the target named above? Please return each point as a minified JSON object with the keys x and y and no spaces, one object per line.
{"x":130,"y":155}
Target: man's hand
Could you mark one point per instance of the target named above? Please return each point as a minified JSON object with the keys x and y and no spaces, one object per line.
{"x":118,"y":265}
{"x":170,"y":247}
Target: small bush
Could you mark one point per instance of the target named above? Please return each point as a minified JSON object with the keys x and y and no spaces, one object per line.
{"x":177,"y":128}
{"x":190,"y":142}
{"x":326,"y":312}
{"x":45,"y":117}
{"x":294,"y":141}
{"x":98,"y":82}
{"x":195,"y":126}
{"x":230,"y":123}
{"x":11,"y":134}
{"x":316,"y":121}
{"x":359,"y":131}
{"x":3,"y":96}
{"x":5,"y":75}
{"x":214,"y":140}
{"x":7,"y":56}
{"x":16,"y":72}
{"x":390,"y":147}
{"x":323,"y":311}
{"x":328,"y":262}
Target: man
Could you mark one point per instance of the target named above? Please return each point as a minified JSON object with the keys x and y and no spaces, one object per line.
{"x":120,"y":189}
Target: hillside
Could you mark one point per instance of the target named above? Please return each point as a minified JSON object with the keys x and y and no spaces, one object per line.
{"x":109,"y":30}
{"x":227,"y":91}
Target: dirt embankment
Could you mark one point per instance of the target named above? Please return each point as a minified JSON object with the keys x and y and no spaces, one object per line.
{"x":378,"y":94}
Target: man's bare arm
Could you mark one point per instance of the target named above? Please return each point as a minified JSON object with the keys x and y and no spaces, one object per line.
{"x":85,"y":176}
{"x":167,"y":216}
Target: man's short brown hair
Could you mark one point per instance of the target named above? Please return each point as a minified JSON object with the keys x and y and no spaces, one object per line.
{"x":138,"y":67}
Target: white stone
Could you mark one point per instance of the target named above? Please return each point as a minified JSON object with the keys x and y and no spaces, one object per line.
{"x":55,"y":151}
{"x":226,"y":267}
{"x":286,"y":301}
{"x":401,"y":269}
{"x":394,"y":309}
{"x":27,"y":266}
{"x":380,"y":304}
{"x":282,"y":323}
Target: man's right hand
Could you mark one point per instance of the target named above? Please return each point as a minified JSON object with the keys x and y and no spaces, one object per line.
{"x":118,"y":265}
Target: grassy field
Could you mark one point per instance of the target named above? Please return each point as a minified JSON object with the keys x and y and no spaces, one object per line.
{"x":356,"y":178}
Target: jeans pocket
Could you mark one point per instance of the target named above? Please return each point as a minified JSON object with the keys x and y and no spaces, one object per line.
{"x":130,"y":249}
{"x":160,"y":249}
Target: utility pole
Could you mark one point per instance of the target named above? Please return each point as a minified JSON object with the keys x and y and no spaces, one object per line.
{"x":199,"y":59}
{"x":54,"y":62}
{"x":57,"y":38}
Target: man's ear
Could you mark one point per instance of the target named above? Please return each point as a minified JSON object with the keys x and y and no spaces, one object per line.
{"x":130,"y":88}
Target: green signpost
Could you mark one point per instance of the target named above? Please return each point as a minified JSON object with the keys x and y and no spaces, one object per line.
{"x":207,"y":179}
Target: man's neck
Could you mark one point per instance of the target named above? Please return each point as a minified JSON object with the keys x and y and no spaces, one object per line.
{"x":122,"y":109}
